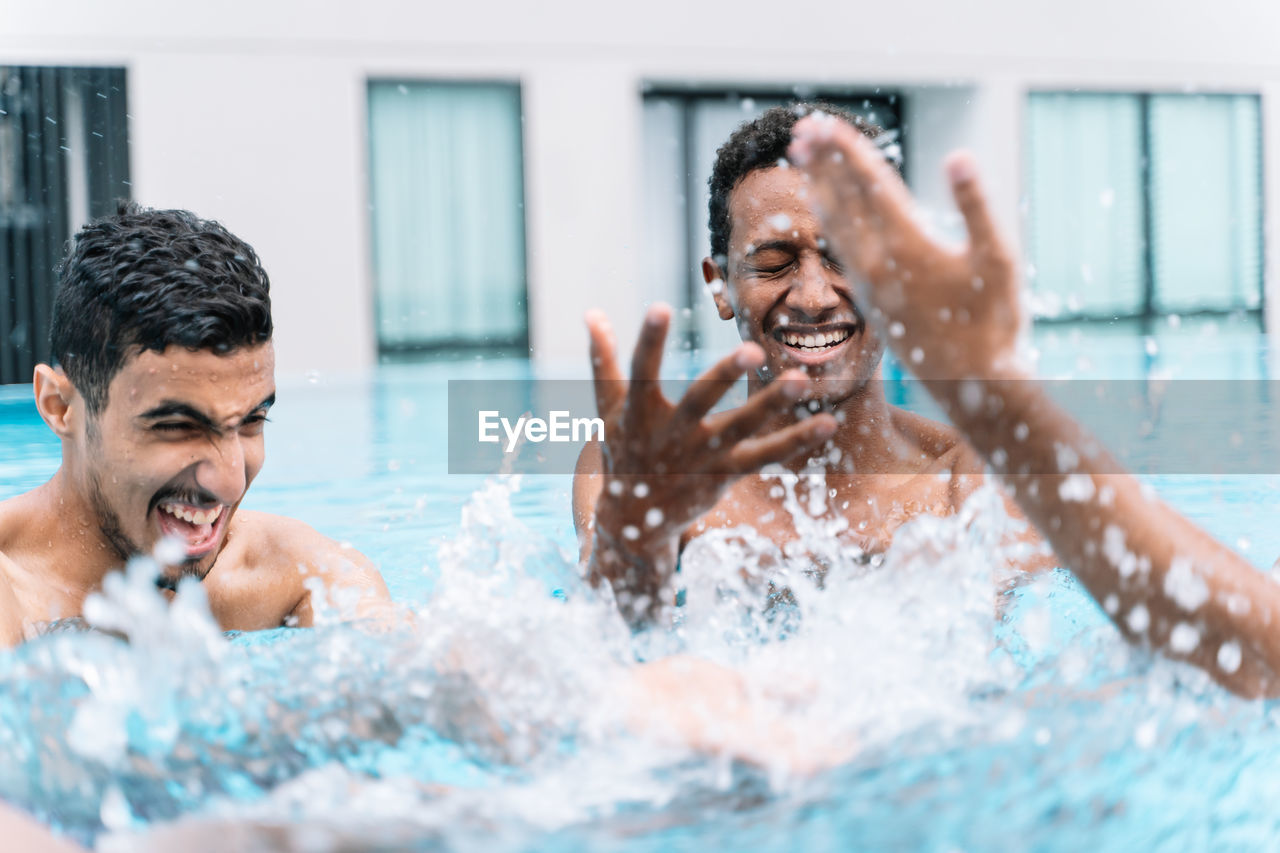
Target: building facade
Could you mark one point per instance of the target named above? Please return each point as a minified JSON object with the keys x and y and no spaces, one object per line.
{"x":431,"y":178}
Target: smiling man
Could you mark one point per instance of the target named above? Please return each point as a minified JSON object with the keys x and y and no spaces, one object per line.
{"x":161,"y":333}
{"x":667,"y":473}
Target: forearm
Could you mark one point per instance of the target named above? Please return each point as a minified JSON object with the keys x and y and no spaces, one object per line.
{"x":636,"y":563}
{"x":1160,"y":578}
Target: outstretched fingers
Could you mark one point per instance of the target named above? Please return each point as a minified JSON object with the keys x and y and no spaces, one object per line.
{"x":609,"y":386}
{"x":962,"y":171}
{"x":646,"y":361}
{"x":733,"y":426}
{"x":708,"y":388}
{"x":646,"y":365}
{"x":753,"y":454}
{"x":839,"y":194}
{"x":886,"y":195}
{"x":834,"y":150}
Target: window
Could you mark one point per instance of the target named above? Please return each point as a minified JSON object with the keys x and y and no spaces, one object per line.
{"x":682,"y":131}
{"x":447,"y":192}
{"x":64,"y":159}
{"x":1206,"y":202}
{"x":1144,"y":204}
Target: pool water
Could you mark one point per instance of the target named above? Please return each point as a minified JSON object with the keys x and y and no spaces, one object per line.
{"x":980,"y":719}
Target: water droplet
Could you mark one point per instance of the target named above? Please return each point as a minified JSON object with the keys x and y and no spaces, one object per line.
{"x":1184,"y":638}
{"x":1139,"y":619}
{"x":1229,"y":657}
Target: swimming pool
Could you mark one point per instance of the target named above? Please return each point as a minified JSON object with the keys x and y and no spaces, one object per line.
{"x":1034,"y":729}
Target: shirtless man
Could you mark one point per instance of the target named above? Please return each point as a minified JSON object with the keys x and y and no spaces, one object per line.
{"x":808,"y":347}
{"x":1164,"y":581}
{"x":161,"y":332}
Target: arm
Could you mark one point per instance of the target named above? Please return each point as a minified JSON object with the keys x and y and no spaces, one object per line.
{"x":692,"y":703}
{"x":334,"y":581}
{"x":588,"y":482}
{"x":662,"y":465}
{"x":22,"y":832}
{"x":1161,"y":579}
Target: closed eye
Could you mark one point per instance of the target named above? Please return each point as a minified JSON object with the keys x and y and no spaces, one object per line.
{"x":773,"y":268}
{"x":174,"y":426}
{"x":254,"y":424}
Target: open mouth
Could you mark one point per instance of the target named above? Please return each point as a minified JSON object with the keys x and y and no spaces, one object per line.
{"x":814,"y":343}
{"x":197,"y":528}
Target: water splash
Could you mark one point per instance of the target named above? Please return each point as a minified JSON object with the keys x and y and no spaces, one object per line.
{"x":511,"y":712}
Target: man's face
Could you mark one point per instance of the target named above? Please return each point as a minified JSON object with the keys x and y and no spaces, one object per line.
{"x":175,"y":448}
{"x":787,"y":293}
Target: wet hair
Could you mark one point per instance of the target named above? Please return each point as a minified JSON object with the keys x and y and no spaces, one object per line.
{"x":144,"y":279}
{"x":760,"y":144}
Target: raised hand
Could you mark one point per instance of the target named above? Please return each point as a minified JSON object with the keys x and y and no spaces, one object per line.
{"x":949,"y":313}
{"x":666,"y":464}
{"x":956,"y":314}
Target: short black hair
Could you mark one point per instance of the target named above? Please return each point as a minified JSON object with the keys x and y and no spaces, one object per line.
{"x":144,"y":279}
{"x":760,"y":144}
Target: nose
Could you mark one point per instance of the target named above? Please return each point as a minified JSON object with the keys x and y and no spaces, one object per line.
{"x":815,"y":289}
{"x":223,"y":471}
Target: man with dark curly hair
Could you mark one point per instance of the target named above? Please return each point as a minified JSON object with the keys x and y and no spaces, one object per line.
{"x":669,"y":472}
{"x":164,"y":374}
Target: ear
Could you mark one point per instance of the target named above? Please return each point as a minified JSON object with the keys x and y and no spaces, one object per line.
{"x":712,"y":275}
{"x":56,"y":399}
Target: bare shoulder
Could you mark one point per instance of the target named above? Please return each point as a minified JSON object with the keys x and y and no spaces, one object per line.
{"x":951,"y":455}
{"x":11,"y":632}
{"x":14,"y":522}
{"x":297,"y":555}
{"x":943,"y":442}
{"x":18,"y":515}
{"x":268,"y":539}
{"x":966,"y":473}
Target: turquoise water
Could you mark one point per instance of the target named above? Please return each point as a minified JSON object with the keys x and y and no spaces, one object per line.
{"x":1062,"y":737}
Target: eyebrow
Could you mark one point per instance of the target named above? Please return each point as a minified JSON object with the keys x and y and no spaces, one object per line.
{"x":177,"y":408}
{"x":768,"y":245}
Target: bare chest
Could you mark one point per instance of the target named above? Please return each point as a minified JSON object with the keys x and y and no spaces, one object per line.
{"x":863,"y":512}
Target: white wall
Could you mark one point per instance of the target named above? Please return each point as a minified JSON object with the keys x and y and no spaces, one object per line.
{"x":252,"y":111}
{"x":274,"y":150}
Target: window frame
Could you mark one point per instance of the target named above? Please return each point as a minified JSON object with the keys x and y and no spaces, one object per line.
{"x":518,"y":345}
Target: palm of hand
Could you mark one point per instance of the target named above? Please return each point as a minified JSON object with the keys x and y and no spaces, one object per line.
{"x":950,"y":313}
